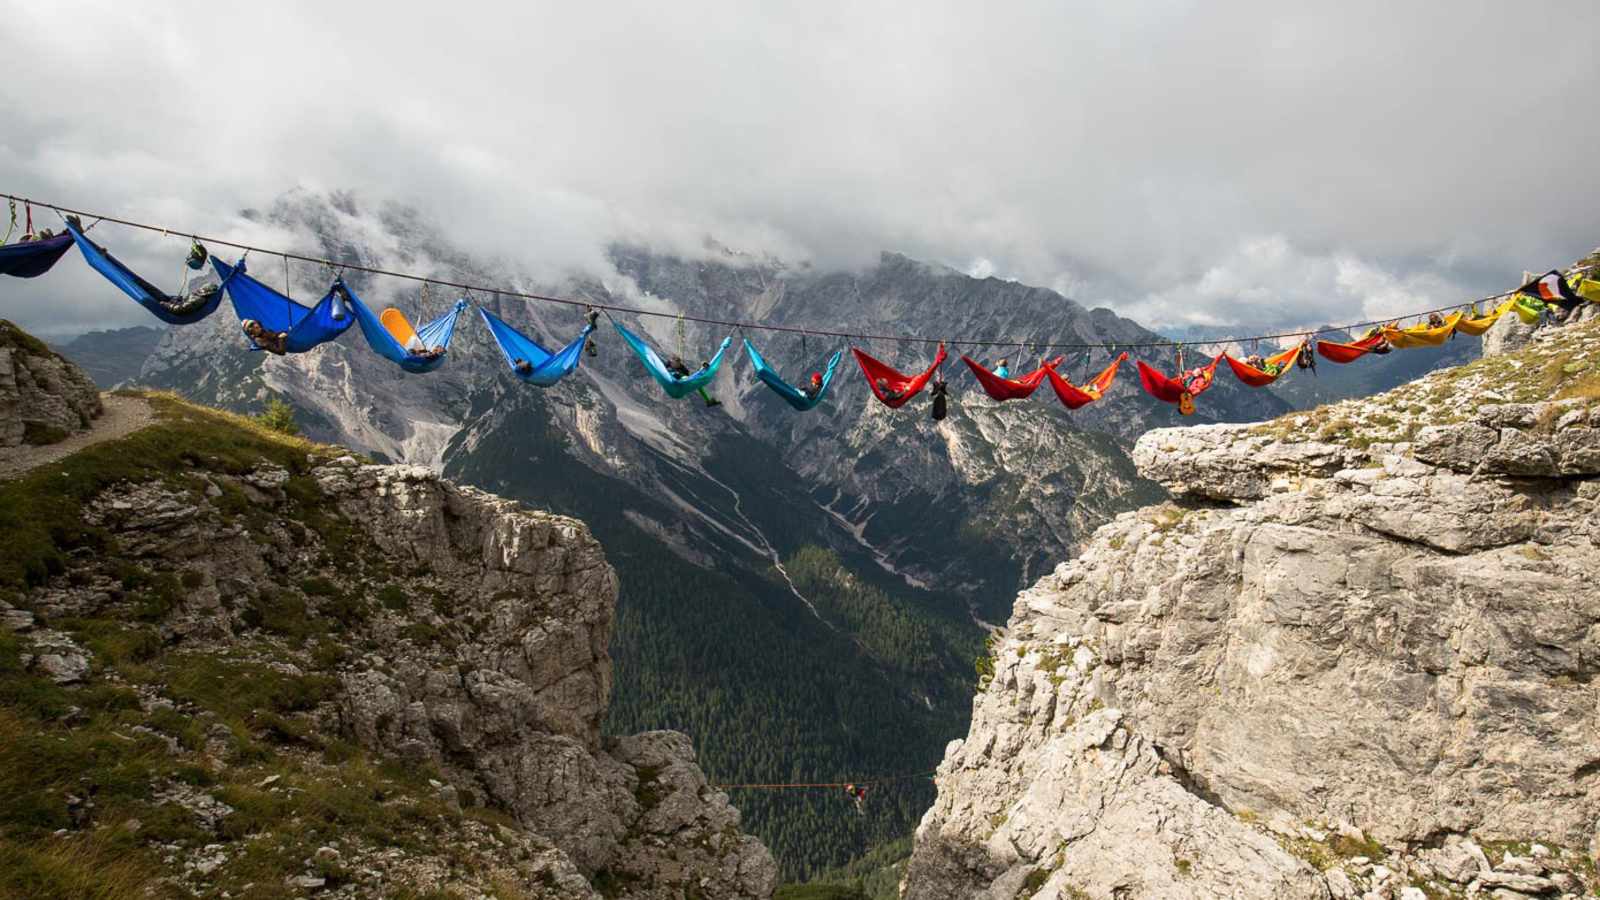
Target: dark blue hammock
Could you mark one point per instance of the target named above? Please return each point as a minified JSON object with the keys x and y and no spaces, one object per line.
{"x":306,"y":326}
{"x":547,"y":367}
{"x":30,"y":259}
{"x":675,"y":386}
{"x":143,"y":292}
{"x":434,"y":334}
{"x":794,"y":396}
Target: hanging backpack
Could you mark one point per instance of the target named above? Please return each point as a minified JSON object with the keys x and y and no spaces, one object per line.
{"x":940,"y":401}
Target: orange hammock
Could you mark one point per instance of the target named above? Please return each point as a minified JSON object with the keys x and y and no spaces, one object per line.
{"x":1333,"y":351}
{"x":1476,"y":324}
{"x":1181,"y":390}
{"x":1260,"y":378}
{"x":1421,"y":335}
{"x":1074,"y":397}
{"x":1010,"y":388}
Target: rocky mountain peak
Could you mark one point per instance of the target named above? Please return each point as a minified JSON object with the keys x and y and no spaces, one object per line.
{"x":1355,"y":656}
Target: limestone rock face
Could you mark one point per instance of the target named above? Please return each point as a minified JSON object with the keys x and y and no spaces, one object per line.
{"x":1370,"y":631}
{"x":515,"y":712}
{"x":43,"y":397}
{"x":478,"y":634}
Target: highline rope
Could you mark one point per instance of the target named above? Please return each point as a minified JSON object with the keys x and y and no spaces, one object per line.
{"x":337,"y":265}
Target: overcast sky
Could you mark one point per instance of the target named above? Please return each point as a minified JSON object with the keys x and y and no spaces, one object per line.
{"x":1237,"y":164}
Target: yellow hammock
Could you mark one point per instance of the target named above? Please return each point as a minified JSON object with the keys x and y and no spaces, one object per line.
{"x":1589,"y":289}
{"x":1476,"y":324}
{"x":1421,"y":335}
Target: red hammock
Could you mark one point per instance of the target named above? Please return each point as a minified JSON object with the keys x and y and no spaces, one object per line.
{"x":1176,"y":390}
{"x":1347,"y":353}
{"x":1010,"y":388}
{"x":904,"y":387}
{"x":1074,"y":397}
{"x":1258,"y":378}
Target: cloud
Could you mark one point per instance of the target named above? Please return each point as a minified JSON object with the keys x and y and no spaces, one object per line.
{"x":1268,"y":279}
{"x":1128,"y":151}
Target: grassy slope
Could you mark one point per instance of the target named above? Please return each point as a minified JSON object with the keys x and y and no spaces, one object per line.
{"x":153,"y":720}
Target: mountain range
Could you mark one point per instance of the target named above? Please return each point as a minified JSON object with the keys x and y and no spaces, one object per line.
{"x":803,"y":593}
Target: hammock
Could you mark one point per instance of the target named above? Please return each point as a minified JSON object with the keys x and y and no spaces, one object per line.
{"x":306,"y":327}
{"x":1174,"y":390}
{"x":793,"y":396}
{"x":1589,"y":289}
{"x":547,"y":367}
{"x":1476,"y":325}
{"x":903,"y":387}
{"x":1334,"y":351}
{"x":1074,"y":397}
{"x":1260,"y":377}
{"x":1010,"y":388}
{"x":30,"y":259}
{"x":675,"y":386}
{"x":166,"y":307}
{"x":391,"y":335}
{"x":1530,"y":310}
{"x":1421,"y":335}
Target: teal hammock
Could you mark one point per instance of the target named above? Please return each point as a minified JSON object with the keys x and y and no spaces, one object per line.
{"x":675,"y":386}
{"x":792,"y":395}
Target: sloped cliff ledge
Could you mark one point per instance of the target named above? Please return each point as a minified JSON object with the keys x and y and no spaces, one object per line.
{"x":330,"y":676}
{"x":1356,"y":658}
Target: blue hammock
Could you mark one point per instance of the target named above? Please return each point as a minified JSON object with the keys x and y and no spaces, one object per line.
{"x":143,"y":292}
{"x":548,"y":368}
{"x":30,"y":259}
{"x":306,"y":326}
{"x":674,"y":386}
{"x":794,"y":396}
{"x":434,"y":334}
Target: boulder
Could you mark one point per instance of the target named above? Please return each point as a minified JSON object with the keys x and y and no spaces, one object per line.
{"x":44,"y":398}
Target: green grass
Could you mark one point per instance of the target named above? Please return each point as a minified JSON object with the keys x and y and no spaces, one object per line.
{"x":151,"y":714}
{"x":40,"y":521}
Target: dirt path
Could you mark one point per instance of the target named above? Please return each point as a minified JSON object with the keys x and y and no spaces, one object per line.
{"x":122,"y":417}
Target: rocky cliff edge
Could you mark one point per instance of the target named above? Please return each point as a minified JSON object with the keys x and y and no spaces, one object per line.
{"x":1356,"y":657}
{"x":233,"y":663}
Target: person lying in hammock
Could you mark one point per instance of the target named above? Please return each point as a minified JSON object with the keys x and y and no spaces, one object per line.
{"x":814,"y":388}
{"x":274,"y":342}
{"x":1255,"y":361}
{"x":1382,"y":346}
{"x":680,"y":369}
{"x":1196,"y":379}
{"x":1002,"y":369}
{"x":189,"y":302}
{"x":888,"y":393}
{"x":418,"y":350}
{"x":1435,"y":320}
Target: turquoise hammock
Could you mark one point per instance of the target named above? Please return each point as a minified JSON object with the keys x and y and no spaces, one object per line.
{"x":434,"y":334}
{"x":306,"y":326}
{"x":164,"y":306}
{"x":792,"y":395}
{"x":676,"y":388}
{"x":546,"y":367}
